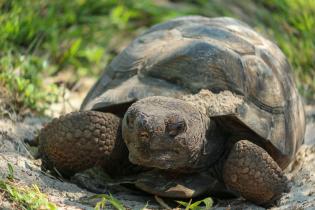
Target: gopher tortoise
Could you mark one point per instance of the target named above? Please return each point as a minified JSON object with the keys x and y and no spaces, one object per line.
{"x":192,"y":102}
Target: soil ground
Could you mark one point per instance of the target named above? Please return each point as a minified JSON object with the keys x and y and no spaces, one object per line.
{"x":14,"y":150}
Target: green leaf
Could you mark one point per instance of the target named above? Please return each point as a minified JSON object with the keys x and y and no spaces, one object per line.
{"x":75,"y":47}
{"x":183,"y":203}
{"x":101,"y":204}
{"x":116,"y":203}
{"x":208,"y":202}
{"x":52,"y":206}
{"x":113,"y":201}
{"x":10,"y":171}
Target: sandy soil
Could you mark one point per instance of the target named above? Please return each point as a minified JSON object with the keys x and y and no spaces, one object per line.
{"x":66,"y":195}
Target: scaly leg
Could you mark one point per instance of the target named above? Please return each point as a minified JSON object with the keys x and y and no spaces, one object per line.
{"x":252,"y":172}
{"x":81,"y":140}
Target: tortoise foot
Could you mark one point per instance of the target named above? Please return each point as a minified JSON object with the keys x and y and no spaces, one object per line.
{"x":97,"y":181}
{"x":172,"y":185}
{"x":81,"y":140}
{"x":250,"y":171}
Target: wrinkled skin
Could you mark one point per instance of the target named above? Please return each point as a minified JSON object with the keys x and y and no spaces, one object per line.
{"x":169,"y":134}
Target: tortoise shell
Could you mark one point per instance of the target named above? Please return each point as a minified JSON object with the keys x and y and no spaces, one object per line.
{"x":188,"y":54}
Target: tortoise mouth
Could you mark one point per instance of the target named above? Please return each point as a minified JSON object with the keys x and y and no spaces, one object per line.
{"x":159,"y":158}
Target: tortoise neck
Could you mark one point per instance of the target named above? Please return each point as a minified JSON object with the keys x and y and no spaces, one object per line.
{"x":214,"y":143}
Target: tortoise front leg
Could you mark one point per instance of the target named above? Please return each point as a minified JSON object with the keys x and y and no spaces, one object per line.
{"x":252,"y":172}
{"x":81,"y":140}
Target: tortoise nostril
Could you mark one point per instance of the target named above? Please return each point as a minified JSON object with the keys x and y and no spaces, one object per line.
{"x":144,"y":135}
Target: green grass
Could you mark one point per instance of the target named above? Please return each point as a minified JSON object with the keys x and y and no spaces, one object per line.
{"x":22,"y":77}
{"x":104,"y":198}
{"x":207,"y":202}
{"x":204,"y":204}
{"x":41,"y":38}
{"x":292,"y":24}
{"x":23,"y":197}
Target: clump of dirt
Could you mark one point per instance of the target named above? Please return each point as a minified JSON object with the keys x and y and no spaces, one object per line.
{"x":213,"y":104}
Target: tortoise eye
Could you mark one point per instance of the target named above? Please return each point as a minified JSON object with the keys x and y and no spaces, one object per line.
{"x":176,"y":128}
{"x":144,"y":135}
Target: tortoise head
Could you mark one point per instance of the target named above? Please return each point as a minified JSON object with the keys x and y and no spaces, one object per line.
{"x":164,"y":133}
